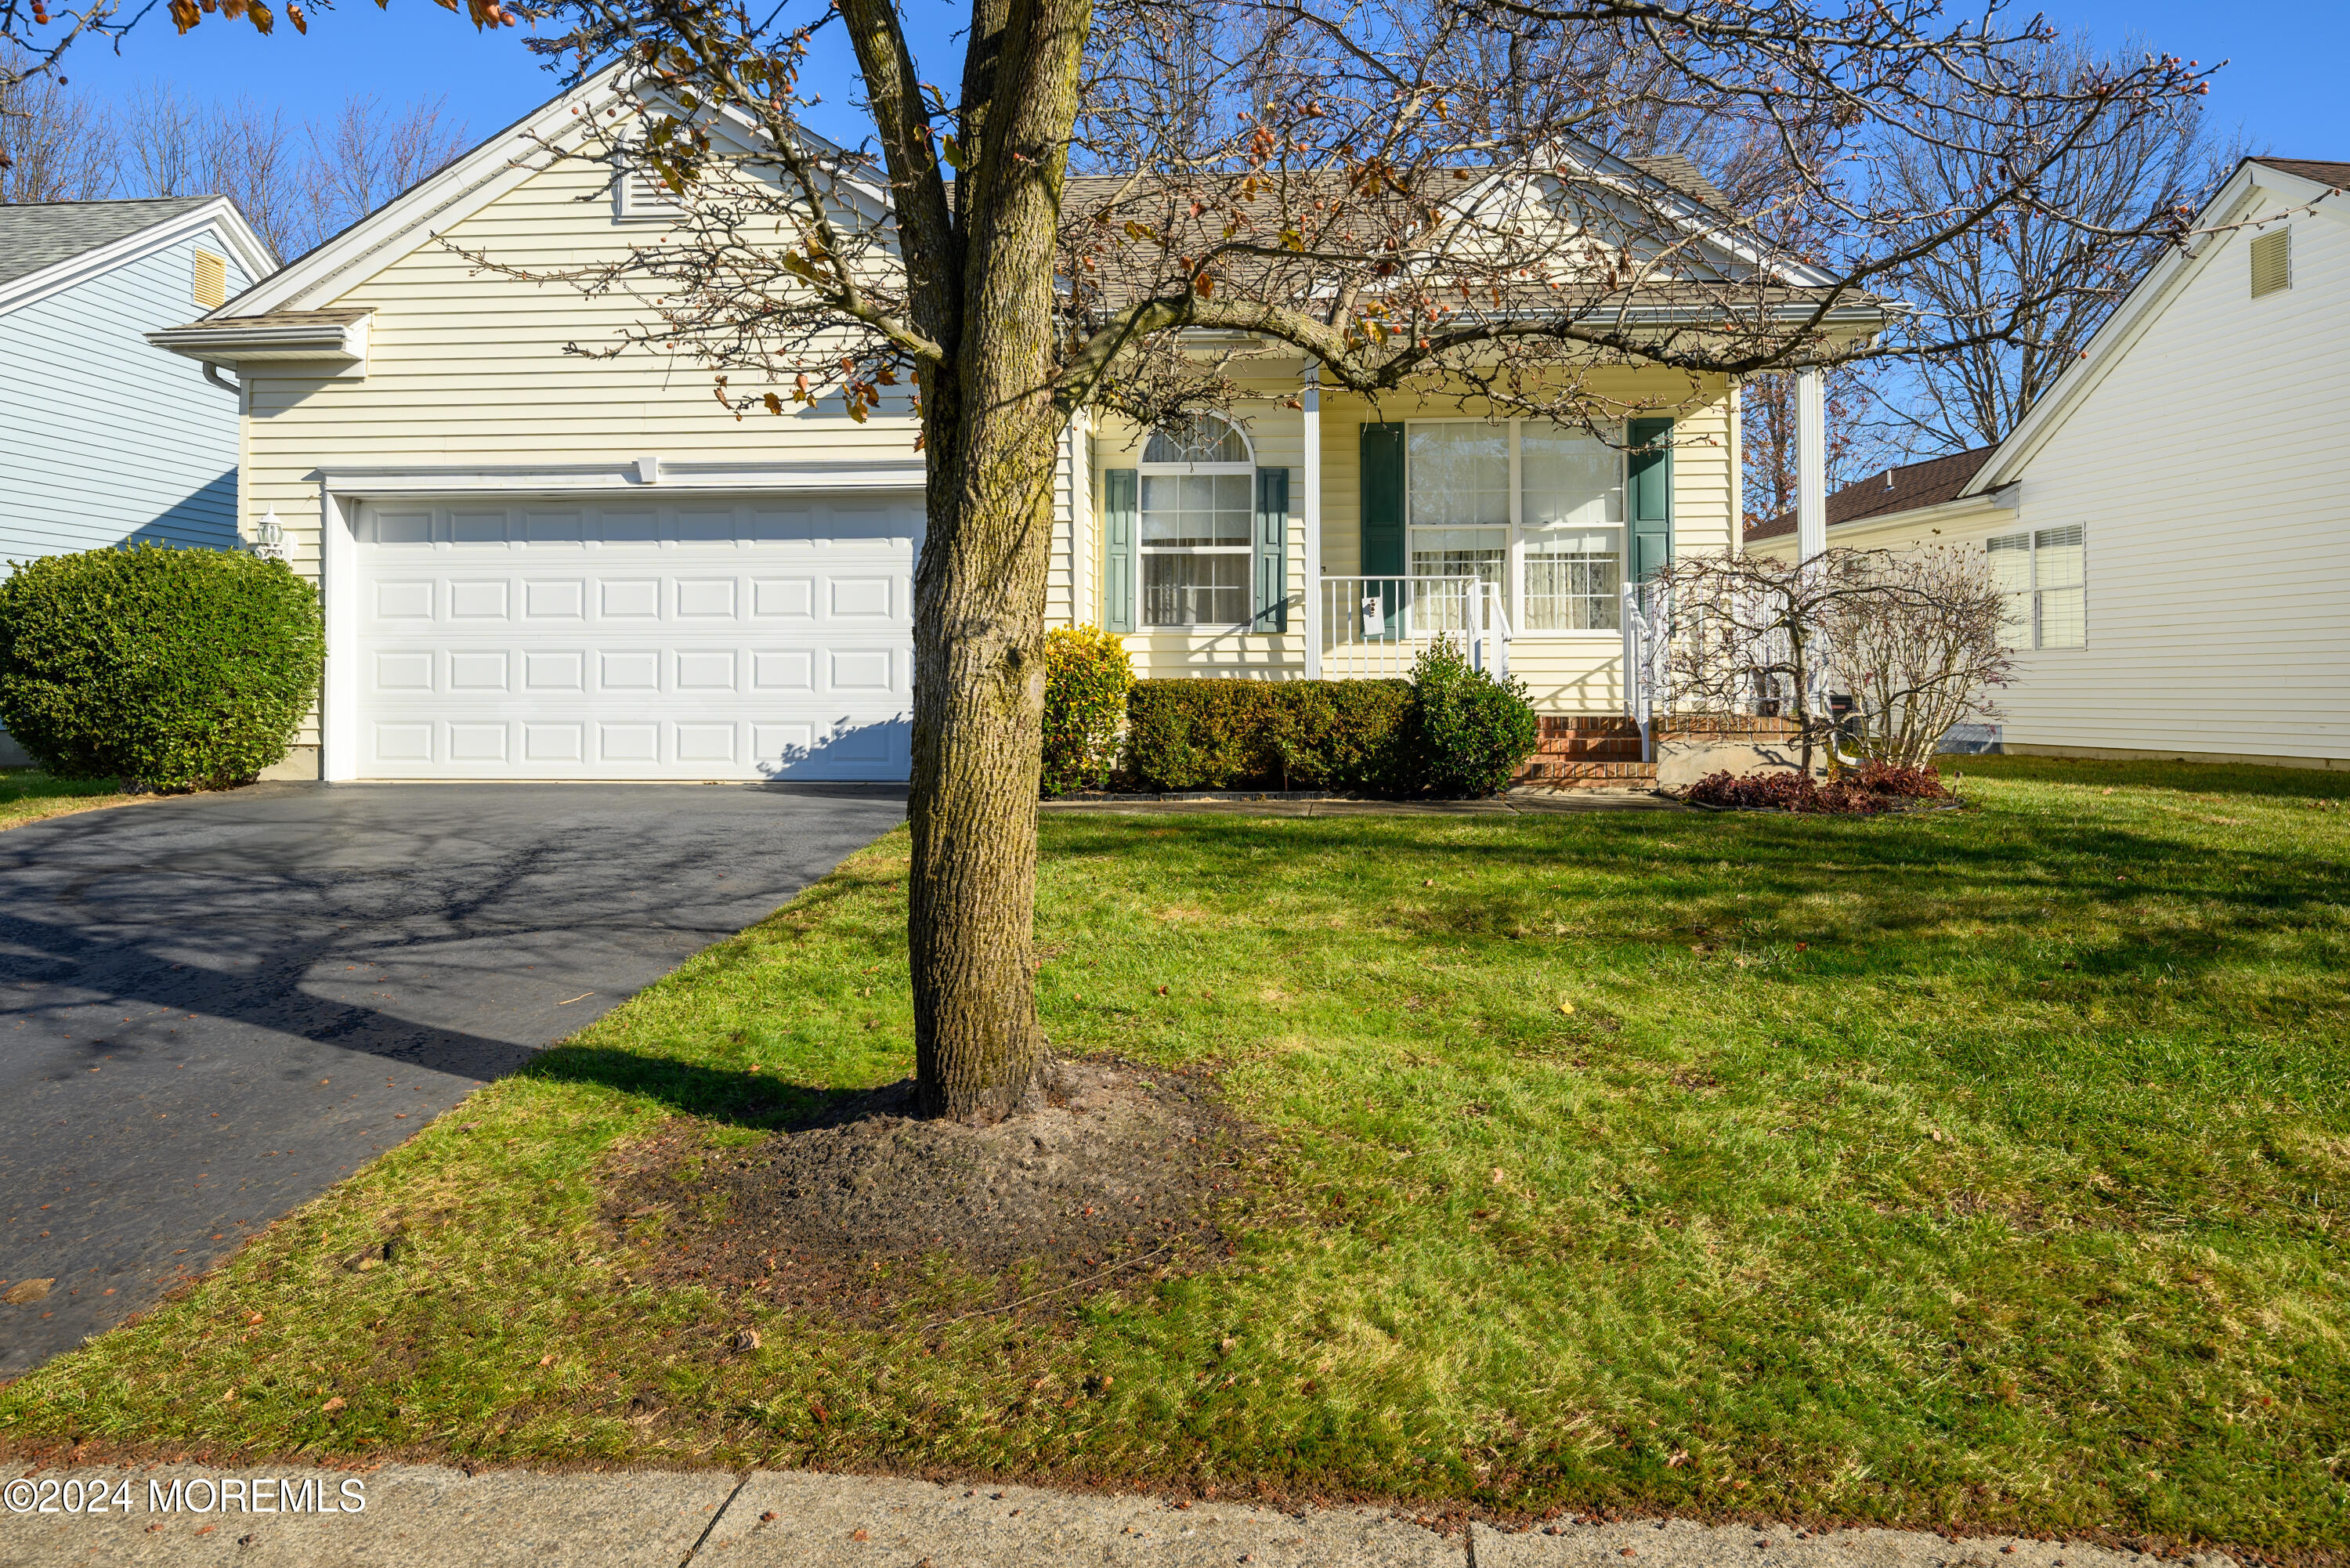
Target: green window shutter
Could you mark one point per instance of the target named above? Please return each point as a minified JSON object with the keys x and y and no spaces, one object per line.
{"x":1271,"y":573}
{"x":1649,"y":498}
{"x":1120,"y":491}
{"x":1382,"y":500}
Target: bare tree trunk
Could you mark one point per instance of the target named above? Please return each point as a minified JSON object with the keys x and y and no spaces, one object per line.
{"x":979,"y":610}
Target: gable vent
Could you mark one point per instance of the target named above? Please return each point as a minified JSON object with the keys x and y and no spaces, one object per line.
{"x":212,"y":280}
{"x":643,"y":193}
{"x":2273,"y":263}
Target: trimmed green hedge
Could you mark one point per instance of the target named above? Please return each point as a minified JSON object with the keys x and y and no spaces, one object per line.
{"x":1448,"y":731}
{"x":1269,"y":734}
{"x":171,"y":669}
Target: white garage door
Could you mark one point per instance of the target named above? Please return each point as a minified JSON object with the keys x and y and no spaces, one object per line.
{"x":727,"y":637}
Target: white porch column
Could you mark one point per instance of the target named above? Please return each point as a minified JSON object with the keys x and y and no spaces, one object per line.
{"x":1811,"y":466}
{"x":1312,"y":399}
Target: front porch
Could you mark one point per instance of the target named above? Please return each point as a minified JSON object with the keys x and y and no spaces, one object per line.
{"x":1318,"y":535}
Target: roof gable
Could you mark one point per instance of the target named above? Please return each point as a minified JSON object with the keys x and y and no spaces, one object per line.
{"x":37,"y":234}
{"x":2237,"y":198}
{"x":46,"y":247}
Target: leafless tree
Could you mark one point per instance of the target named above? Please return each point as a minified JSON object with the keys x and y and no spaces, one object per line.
{"x":1851,"y":442}
{"x":370,"y":153}
{"x":295,"y":183}
{"x":1925,"y":649}
{"x":172,"y":144}
{"x":55,"y":144}
{"x":1128,"y":205}
{"x":2053,"y":268}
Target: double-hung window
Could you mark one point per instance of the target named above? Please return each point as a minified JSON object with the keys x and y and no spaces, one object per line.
{"x":1550,"y":497}
{"x":1198,"y":483}
{"x":2044,"y":572}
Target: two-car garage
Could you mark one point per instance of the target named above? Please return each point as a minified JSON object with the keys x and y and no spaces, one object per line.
{"x":702,"y":637}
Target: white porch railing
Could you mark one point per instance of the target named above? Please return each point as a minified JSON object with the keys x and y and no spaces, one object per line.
{"x":1647,"y":620}
{"x":1375,"y":627}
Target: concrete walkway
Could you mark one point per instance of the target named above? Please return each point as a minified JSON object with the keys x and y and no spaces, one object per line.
{"x":410,"y":1516}
{"x":1240,"y":803}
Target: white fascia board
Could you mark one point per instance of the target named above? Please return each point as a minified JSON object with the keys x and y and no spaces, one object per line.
{"x":219,"y":215}
{"x":431,"y":207}
{"x":748,"y":138}
{"x":2242,"y":192}
{"x":626,"y":477}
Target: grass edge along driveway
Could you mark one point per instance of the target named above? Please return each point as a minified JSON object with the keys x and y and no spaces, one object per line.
{"x":28,"y":795}
{"x":1971,"y":1170}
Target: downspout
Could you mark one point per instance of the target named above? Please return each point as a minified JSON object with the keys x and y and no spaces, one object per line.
{"x":213,"y":374}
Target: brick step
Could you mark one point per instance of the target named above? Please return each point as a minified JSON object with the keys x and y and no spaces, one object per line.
{"x":1604,"y":749}
{"x":1551,"y":774}
{"x":1560,"y":725}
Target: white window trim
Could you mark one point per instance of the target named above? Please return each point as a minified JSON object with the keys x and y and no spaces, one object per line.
{"x":1513,"y":554}
{"x":1142,"y":626}
{"x":2030,"y":537}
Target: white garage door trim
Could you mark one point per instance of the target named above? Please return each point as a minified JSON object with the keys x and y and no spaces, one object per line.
{"x":634,"y":633}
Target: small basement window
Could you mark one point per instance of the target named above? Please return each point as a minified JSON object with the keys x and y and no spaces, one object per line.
{"x":212,"y":280}
{"x":2273,"y":263}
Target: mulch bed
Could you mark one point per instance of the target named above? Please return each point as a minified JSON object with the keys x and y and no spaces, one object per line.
{"x":868,"y":1213}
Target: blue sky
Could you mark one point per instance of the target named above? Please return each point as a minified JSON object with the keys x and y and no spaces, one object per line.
{"x":2281,"y":87}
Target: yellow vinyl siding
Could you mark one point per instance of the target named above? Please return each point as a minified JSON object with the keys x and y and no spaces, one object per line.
{"x":468,"y":366}
{"x":1566,"y":674}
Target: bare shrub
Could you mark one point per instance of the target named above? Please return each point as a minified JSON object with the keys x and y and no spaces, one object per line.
{"x":1913,"y":637}
{"x":1920,"y":653}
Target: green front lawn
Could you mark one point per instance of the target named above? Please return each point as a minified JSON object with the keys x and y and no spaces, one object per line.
{"x":1976,"y":1169}
{"x":28,"y":795}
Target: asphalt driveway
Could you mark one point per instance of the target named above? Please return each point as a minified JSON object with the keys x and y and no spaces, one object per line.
{"x":213,"y":1008}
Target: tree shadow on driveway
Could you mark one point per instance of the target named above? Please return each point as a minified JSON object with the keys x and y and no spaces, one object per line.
{"x":211,"y":1009}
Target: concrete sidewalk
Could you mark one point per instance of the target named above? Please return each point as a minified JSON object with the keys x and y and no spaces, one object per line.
{"x":1520,"y":802}
{"x":411,"y":1516}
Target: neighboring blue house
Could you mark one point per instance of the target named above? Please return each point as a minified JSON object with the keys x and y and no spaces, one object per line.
{"x":110,"y":440}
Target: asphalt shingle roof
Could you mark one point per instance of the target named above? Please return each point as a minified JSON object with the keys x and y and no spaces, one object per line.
{"x":1890,"y":490}
{"x":2325,"y":174}
{"x":35,"y":235}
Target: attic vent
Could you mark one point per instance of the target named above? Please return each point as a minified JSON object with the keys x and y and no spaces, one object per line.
{"x":641,"y":192}
{"x":212,"y":280}
{"x":2273,"y":263}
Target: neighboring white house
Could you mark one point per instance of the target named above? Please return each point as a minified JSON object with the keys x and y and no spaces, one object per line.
{"x":110,"y":440}
{"x":536,"y":565}
{"x":2173,"y":516}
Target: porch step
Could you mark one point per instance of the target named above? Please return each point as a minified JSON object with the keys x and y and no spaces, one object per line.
{"x":1552,"y":774}
{"x":1589,"y":748}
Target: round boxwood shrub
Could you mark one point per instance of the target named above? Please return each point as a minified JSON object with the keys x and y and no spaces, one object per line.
{"x":1086,"y":677}
{"x":1474,"y":732}
{"x":168,"y":669}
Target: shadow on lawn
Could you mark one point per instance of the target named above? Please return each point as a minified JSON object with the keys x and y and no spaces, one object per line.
{"x":714,"y":1093}
{"x":1881,"y":889}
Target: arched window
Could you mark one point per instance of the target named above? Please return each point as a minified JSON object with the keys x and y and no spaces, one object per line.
{"x":1199,"y":488}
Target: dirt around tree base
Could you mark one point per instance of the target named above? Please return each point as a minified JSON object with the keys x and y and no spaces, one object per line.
{"x":867,"y":1210}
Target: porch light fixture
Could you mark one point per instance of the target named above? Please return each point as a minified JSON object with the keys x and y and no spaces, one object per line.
{"x":269,"y":536}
